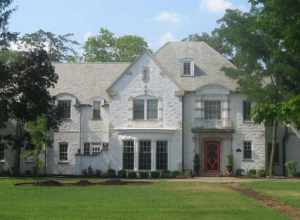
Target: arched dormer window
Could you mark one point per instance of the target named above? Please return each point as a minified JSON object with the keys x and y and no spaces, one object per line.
{"x":145,"y":108}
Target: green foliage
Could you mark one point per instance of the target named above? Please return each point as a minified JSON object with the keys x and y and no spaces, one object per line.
{"x":144,"y":174}
{"x":106,"y":47}
{"x":59,"y":47}
{"x":197,"y":164}
{"x":239,"y":172}
{"x":291,"y":168}
{"x":132,"y":174}
{"x":5,"y":12}
{"x":261,"y":173}
{"x":230,"y":160}
{"x":251,"y":173}
{"x":122,"y":173}
{"x":155,"y":174}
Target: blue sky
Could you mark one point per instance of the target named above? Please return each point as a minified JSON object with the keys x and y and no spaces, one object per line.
{"x":158,"y":21}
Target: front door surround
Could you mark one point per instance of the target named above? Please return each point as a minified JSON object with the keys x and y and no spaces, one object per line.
{"x":212,"y":157}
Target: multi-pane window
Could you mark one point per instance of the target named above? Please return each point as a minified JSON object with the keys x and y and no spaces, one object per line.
{"x":187,"y":70}
{"x":276,"y":152}
{"x":145,"y":155}
{"x":152,"y":105}
{"x":86,"y":148}
{"x":2,"y":148}
{"x":247,"y":111}
{"x":96,"y":150}
{"x":145,"y":109}
{"x":65,"y":108}
{"x":212,"y":110}
{"x":63,"y":151}
{"x":96,"y":110}
{"x":247,"y":150}
{"x":162,"y":155}
{"x":128,"y":154}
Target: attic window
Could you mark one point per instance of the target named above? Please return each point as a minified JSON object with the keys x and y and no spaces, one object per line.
{"x":187,"y":71}
{"x":146,"y":74}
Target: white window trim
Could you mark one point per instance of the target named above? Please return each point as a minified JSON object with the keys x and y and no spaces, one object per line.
{"x":192,"y":67}
{"x":146,"y":98}
{"x":252,"y":153}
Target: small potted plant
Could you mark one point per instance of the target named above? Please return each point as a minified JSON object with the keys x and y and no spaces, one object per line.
{"x":229,"y":167}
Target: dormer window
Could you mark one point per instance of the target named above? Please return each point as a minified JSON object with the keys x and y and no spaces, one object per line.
{"x":146,"y":74}
{"x":187,"y":67}
{"x":187,"y":70}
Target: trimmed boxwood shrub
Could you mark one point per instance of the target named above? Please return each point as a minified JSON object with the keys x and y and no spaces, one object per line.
{"x":239,"y":172}
{"x":122,"y":173}
{"x":176,"y":173}
{"x":98,"y":173}
{"x":111,"y":173}
{"x":261,"y":173}
{"x":166,"y":174}
{"x":252,"y":173}
{"x":155,"y":174}
{"x":132,"y":174}
{"x":291,"y":168}
{"x":144,"y":174}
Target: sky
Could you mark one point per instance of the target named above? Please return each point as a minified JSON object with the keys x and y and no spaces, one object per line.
{"x":158,"y":21}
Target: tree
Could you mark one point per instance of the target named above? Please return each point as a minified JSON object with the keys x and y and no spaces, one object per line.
{"x":106,"y":47}
{"x":5,"y":12}
{"x":213,"y":40}
{"x":266,"y":69}
{"x":59,"y":47}
{"x":39,"y":139}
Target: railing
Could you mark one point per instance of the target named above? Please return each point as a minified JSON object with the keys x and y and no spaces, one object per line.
{"x":212,"y":123}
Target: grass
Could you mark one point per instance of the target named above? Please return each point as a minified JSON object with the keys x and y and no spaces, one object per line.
{"x":286,"y":191}
{"x":161,"y":201}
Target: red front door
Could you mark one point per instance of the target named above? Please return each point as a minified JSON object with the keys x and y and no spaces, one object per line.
{"x":212,"y":157}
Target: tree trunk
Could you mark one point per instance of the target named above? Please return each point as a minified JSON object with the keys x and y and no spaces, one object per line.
{"x":18,"y":145}
{"x":271,"y":156}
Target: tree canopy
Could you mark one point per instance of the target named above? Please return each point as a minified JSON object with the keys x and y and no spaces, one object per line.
{"x":106,"y":47}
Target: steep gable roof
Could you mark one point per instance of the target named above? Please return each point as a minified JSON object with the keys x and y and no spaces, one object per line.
{"x":86,"y":80}
{"x":208,"y":62}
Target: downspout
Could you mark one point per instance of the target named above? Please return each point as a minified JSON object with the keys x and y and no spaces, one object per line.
{"x":284,"y":142}
{"x":182,"y":133}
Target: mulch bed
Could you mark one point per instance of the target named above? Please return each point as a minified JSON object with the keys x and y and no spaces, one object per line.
{"x":268,"y":201}
{"x":83,"y":183}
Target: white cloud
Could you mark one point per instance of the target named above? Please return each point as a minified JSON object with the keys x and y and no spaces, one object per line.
{"x":168,"y":17}
{"x":166,"y":37}
{"x":217,"y":6}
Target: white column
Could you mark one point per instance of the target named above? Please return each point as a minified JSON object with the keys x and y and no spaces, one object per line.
{"x":136,"y":154}
{"x":153,"y":155}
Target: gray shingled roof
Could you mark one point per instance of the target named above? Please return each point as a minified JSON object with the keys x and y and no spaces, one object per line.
{"x":86,"y":81}
{"x":208,"y":62}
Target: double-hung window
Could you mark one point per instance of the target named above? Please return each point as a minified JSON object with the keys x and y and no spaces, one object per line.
{"x":63,"y":151}
{"x":212,"y":110}
{"x":96,"y":110}
{"x":145,"y":155}
{"x":86,"y":149}
{"x":248,"y":150}
{"x":65,"y":108}
{"x":145,"y":108}
{"x":162,"y":155}
{"x":128,"y":154}
{"x":246,"y":111}
{"x":2,"y":148}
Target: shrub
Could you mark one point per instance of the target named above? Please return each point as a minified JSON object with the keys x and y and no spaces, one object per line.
{"x":122,"y":174}
{"x":196,"y":165}
{"x":239,"y":172}
{"x":252,"y":173}
{"x":98,"y":173}
{"x":261,"y":173}
{"x":111,"y":173}
{"x":175,"y":174}
{"x":187,"y":173}
{"x":84,"y":172}
{"x":132,"y":174}
{"x":90,"y":171}
{"x":291,"y":168}
{"x":144,"y":175}
{"x":155,"y":174}
{"x":166,"y":174}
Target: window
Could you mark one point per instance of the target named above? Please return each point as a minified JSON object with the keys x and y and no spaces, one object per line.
{"x":63,"y":151}
{"x":145,"y":109}
{"x":128,"y":155}
{"x":246,"y":111}
{"x":65,"y":108}
{"x":247,"y":150}
{"x":96,"y":150}
{"x":96,"y":110}
{"x":187,"y":70}
{"x":152,"y":105}
{"x":162,"y":155}
{"x":146,"y":74}
{"x":138,"y":109}
{"x":145,"y":155}
{"x":212,"y":110}
{"x":86,"y":149}
{"x":276,"y":152}
{"x":2,"y":148}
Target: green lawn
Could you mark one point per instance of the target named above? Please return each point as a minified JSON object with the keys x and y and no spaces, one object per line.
{"x":286,"y":191}
{"x":161,"y":201}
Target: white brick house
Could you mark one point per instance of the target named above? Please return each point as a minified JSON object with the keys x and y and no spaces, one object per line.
{"x":156,"y":113}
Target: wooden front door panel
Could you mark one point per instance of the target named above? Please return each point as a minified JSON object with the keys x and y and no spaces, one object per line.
{"x":212,"y":156}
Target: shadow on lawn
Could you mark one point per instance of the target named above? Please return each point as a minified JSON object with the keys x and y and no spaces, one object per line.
{"x":83,"y":183}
